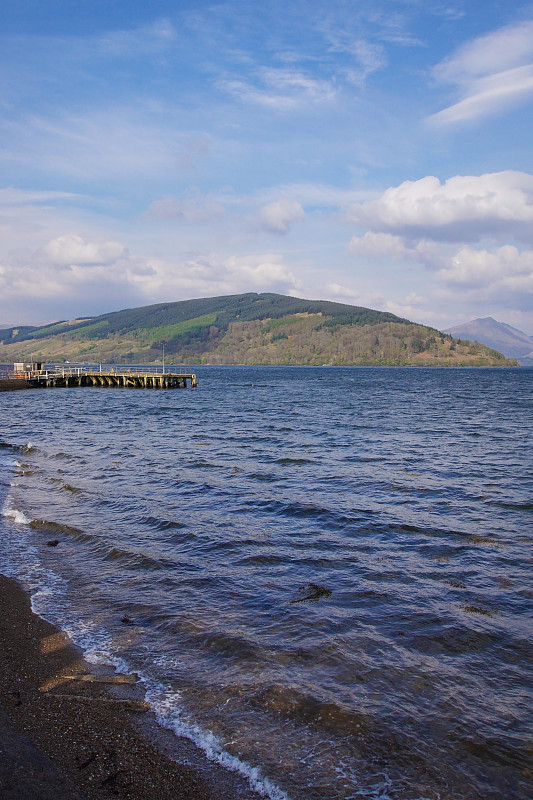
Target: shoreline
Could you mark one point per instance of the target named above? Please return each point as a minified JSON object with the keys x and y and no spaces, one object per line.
{"x":72,"y":730}
{"x":13,"y":384}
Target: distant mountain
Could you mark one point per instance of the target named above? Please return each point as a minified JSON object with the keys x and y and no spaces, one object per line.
{"x":245,"y":329}
{"x":498,"y":335}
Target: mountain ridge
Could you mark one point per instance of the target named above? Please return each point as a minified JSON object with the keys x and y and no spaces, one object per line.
{"x":512,"y":342}
{"x":249,"y":328}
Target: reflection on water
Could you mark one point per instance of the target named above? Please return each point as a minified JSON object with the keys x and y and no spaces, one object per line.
{"x":320,"y":572}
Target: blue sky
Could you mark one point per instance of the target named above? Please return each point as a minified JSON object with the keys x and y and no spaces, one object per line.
{"x":377,"y":153}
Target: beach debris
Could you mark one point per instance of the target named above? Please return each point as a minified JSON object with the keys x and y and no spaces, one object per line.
{"x":53,"y":543}
{"x":88,"y":677}
{"x":311,"y":591}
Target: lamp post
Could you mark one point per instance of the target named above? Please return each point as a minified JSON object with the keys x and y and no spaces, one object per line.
{"x":163,"y":358}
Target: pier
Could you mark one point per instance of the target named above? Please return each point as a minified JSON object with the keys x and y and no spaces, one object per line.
{"x":38,"y":376}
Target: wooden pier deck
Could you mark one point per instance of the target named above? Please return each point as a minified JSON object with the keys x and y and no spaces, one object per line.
{"x":60,"y":377}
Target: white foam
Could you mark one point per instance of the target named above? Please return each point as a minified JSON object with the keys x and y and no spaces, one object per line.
{"x":15,"y":514}
{"x":166,"y":705}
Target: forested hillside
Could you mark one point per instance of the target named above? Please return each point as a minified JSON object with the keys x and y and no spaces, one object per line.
{"x":244,"y":329}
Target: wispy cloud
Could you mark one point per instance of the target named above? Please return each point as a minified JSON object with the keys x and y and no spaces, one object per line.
{"x":194,"y":208}
{"x":141,"y":41}
{"x":280,"y":89}
{"x":491,"y":73}
{"x":106,"y":144}
{"x":19,"y":197}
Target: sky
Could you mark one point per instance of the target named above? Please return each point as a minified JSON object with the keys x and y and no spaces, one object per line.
{"x":373,"y":152}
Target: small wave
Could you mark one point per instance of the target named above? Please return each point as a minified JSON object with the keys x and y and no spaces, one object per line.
{"x":527,"y":505}
{"x":444,"y":532}
{"x":166,"y":705}
{"x":29,"y":448}
{"x":54,"y":527}
{"x":326,"y":516}
{"x":61,"y":456}
{"x":287,"y":462}
{"x":66,"y":487}
{"x":262,"y":476}
{"x":131,"y":560}
{"x":261,"y":560}
{"x":311,"y":709}
{"x":222,"y":643}
{"x":15,"y":514}
{"x":363,"y":459}
{"x":162,"y":524}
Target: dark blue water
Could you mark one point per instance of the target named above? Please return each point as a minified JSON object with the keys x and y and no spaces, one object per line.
{"x":323,"y":574}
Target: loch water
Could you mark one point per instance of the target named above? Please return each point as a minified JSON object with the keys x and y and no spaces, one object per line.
{"x":323,"y":575}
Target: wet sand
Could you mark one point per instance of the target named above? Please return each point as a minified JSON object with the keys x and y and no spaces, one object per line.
{"x":69,"y":730}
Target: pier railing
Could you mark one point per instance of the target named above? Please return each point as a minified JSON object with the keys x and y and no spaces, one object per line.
{"x":75,"y":370}
{"x":105,"y":375}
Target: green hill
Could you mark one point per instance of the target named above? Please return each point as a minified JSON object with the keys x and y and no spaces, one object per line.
{"x":245,"y":329}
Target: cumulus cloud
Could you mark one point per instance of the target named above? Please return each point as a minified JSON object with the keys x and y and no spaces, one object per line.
{"x":72,"y":250}
{"x":425,"y":221}
{"x":491,"y":73}
{"x":88,"y":277}
{"x":206,"y":275}
{"x":413,"y":305}
{"x":504,"y":271}
{"x":277,"y":217}
{"x":464,"y":208}
{"x":376,"y":245}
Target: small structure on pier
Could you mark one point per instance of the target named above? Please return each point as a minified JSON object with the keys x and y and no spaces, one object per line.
{"x":21,"y":368}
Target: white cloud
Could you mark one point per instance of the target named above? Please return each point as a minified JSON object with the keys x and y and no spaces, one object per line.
{"x":424,"y":221}
{"x":505,"y":271}
{"x":491,"y":73}
{"x":495,"y":52}
{"x":89,"y":277}
{"x":464,"y":208}
{"x":413,"y":306}
{"x":280,"y":89}
{"x":208,"y":275}
{"x":377,"y":245}
{"x":278,"y":217}
{"x":71,"y":250}
{"x":488,"y":95}
{"x":195,"y":208}
{"x":122,"y":143}
{"x":19,"y":197}
{"x":145,"y":40}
